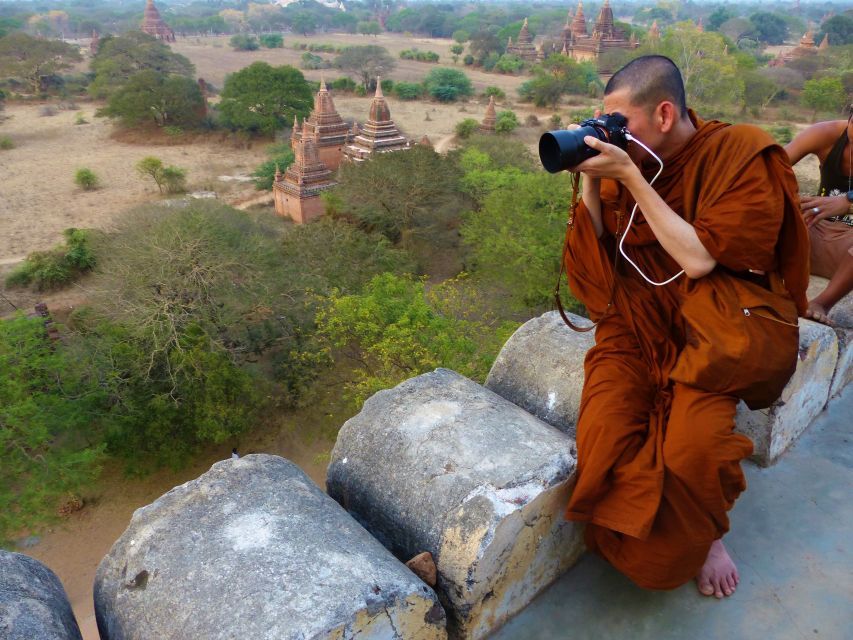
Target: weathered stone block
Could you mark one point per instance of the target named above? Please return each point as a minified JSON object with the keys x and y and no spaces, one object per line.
{"x":253,"y":549}
{"x":33,"y":604}
{"x":773,"y":430}
{"x":441,"y":464}
{"x":540,"y":369}
{"x":841,"y":316}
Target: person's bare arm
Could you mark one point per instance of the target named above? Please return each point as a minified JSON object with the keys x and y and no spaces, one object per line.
{"x":676,"y":236}
{"x":817,"y":139}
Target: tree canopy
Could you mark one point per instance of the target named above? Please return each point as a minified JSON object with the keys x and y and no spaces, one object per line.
{"x":447,"y":85}
{"x":262,"y":98}
{"x":366,"y":62}
{"x":151,"y":97}
{"x":120,"y":57}
{"x":31,"y":60}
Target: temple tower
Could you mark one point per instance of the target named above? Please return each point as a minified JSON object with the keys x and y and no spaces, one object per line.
{"x":94,"y":43}
{"x":328,"y":129}
{"x":154,"y":25}
{"x":579,"y":23}
{"x":523,"y":47}
{"x":603,"y":29}
{"x":488,"y":124}
{"x":378,"y":135}
{"x":654,"y":31}
{"x":824,"y":44}
{"x":297,"y":192}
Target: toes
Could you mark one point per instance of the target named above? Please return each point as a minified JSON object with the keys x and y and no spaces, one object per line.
{"x":706,"y":589}
{"x":730,"y":585}
{"x":718,"y":590}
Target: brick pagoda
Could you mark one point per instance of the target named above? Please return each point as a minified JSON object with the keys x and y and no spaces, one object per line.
{"x":378,"y":135}
{"x":154,"y":25}
{"x":297,"y":192}
{"x":488,"y":124}
{"x":605,"y":36}
{"x":328,"y":130}
{"x":523,"y":47}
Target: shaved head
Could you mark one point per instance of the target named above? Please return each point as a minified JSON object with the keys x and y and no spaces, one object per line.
{"x":649,"y":81}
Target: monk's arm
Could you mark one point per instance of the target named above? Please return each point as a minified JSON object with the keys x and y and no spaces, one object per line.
{"x":676,"y":236}
{"x":591,"y":194}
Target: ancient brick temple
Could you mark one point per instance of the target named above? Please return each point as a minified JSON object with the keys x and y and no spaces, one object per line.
{"x":580,"y":46}
{"x":489,"y":120}
{"x":805,"y":48}
{"x":523,"y":47}
{"x":328,"y":130}
{"x":378,"y":135}
{"x":154,"y":25}
{"x":297,"y":192}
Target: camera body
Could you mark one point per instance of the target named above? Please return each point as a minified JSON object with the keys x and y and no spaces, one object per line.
{"x":565,"y":148}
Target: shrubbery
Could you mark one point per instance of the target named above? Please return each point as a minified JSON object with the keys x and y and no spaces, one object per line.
{"x":169,"y":179}
{"x":271,"y":40}
{"x":466,"y":128}
{"x":447,"y":85}
{"x":244,"y":42}
{"x":408,"y":90}
{"x":506,"y":122}
{"x":86,"y":179}
{"x":281,"y":156}
{"x":46,"y":270}
{"x":420,"y":56}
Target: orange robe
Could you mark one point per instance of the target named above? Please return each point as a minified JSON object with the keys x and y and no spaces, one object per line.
{"x":658,"y":462}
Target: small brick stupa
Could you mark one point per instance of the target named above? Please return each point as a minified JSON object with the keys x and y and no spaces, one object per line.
{"x":154,"y":25}
{"x":523,"y":47}
{"x":378,"y":135}
{"x":488,"y":124}
{"x":297,"y":192}
{"x":328,"y":130}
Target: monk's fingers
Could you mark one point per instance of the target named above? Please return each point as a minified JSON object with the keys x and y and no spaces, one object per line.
{"x":596,"y":113}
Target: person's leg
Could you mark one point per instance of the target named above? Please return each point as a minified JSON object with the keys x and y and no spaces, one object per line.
{"x":840,"y":284}
{"x":702,"y":479}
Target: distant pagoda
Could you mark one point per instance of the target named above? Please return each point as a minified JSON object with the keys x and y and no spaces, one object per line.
{"x":378,"y":135}
{"x":327,"y":128}
{"x":523,"y":47}
{"x":297,"y":192}
{"x":580,"y":46}
{"x":154,"y":25}
{"x":488,"y":124}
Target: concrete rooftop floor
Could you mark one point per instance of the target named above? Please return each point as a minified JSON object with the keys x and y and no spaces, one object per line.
{"x":791,"y":537}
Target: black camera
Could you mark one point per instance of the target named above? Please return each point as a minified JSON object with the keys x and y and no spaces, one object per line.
{"x":564,"y":148}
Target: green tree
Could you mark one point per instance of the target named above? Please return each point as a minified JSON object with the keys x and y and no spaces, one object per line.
{"x":769,"y":27}
{"x":824,"y":94}
{"x":303,"y":22}
{"x":366,"y":62}
{"x":154,"y":98}
{"x":58,"y":267}
{"x":120,"y":57}
{"x":48,"y":428}
{"x":448,"y":85}
{"x":515,"y":237}
{"x":263,"y":99}
{"x":506,"y":122}
{"x":280,"y":158}
{"x":719,"y":16}
{"x":369,"y":28}
{"x":465,"y":128}
{"x":396,"y":329}
{"x":759,"y":90}
{"x":839,"y":29}
{"x":31,"y":60}
{"x":169,"y":179}
{"x":400,"y":194}
{"x":456,"y":50}
{"x":271,"y":40}
{"x":244,"y":42}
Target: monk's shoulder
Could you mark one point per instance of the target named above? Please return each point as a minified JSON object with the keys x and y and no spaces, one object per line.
{"x":736,"y":144}
{"x":747,"y":136}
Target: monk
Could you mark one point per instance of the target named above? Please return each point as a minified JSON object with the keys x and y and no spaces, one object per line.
{"x":658,"y":462}
{"x":829,"y":214}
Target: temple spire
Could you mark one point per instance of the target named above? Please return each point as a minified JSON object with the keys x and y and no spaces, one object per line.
{"x":378,"y":93}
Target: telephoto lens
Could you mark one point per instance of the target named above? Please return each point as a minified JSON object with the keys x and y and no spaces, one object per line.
{"x":565,"y":148}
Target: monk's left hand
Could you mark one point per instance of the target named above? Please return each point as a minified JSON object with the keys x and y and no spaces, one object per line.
{"x":817,"y":208}
{"x":611,"y":162}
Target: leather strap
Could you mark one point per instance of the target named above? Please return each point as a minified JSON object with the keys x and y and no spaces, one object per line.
{"x":570,"y":224}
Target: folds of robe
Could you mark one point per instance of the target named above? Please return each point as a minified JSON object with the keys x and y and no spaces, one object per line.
{"x":658,"y":463}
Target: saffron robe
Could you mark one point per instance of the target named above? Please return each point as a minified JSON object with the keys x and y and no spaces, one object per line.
{"x":658,"y":462}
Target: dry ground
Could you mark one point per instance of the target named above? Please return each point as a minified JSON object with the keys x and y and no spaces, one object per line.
{"x":38,"y":197}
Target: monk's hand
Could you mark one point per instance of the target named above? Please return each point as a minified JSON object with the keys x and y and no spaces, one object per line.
{"x":817,"y":208}
{"x":611,"y":162}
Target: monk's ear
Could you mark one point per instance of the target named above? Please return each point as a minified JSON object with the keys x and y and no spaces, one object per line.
{"x":666,"y":116}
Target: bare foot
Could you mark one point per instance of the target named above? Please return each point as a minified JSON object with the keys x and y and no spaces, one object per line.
{"x":718,"y":576}
{"x":818,"y":313}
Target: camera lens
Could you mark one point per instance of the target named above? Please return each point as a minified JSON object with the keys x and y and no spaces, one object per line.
{"x":563,"y":148}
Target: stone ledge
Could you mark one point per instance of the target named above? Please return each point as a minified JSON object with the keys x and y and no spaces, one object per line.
{"x":441,"y":464}
{"x":540,"y":368}
{"x":33,"y":604}
{"x":842,"y":317}
{"x":254,"y":549}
